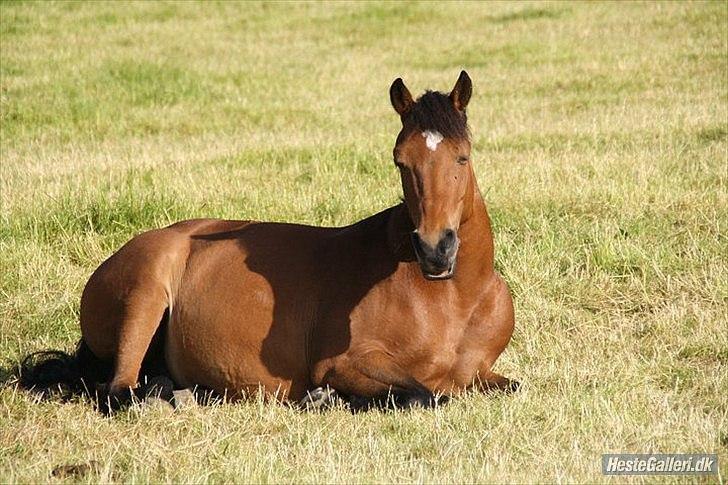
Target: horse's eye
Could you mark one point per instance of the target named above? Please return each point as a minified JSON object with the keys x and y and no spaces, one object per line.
{"x":462,"y":160}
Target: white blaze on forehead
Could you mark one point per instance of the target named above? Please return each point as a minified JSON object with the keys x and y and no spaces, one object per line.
{"x":432,"y":138}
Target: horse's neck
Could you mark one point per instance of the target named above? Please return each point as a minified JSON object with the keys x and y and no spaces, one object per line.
{"x":475,"y":256}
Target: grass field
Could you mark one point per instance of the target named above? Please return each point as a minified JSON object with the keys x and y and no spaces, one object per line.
{"x":601,"y":141}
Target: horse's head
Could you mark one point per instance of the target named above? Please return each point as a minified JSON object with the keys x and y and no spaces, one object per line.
{"x":433,"y":156}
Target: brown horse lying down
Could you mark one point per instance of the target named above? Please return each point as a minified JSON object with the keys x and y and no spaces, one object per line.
{"x":403,"y":304}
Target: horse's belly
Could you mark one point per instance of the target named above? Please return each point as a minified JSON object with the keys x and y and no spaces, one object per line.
{"x":234,"y":331}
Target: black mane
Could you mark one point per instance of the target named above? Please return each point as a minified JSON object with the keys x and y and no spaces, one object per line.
{"x":435,"y":111}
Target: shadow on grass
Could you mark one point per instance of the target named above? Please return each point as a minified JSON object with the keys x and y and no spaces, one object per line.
{"x":6,"y":376}
{"x":64,"y":377}
{"x":528,"y":14}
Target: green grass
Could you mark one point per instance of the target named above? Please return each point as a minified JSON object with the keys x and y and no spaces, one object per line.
{"x":601,"y":141}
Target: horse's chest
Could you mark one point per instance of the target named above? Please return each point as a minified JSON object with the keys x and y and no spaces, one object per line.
{"x":450,"y":361}
{"x":429,"y":335}
{"x":438,"y":346}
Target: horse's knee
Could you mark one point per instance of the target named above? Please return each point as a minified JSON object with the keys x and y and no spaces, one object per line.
{"x":349,"y":381}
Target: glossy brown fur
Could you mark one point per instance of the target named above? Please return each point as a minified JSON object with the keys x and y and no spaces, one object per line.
{"x":291,"y":307}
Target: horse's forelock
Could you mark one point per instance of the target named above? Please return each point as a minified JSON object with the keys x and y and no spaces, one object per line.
{"x":434,"y":111}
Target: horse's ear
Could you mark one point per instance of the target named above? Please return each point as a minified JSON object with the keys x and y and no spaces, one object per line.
{"x":460,"y":94}
{"x":400,"y":97}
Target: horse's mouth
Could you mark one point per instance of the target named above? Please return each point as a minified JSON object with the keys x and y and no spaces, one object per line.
{"x":442,"y":275}
{"x":434,"y":264}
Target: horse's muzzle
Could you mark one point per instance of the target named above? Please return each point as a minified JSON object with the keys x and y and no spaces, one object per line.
{"x":437,"y":262}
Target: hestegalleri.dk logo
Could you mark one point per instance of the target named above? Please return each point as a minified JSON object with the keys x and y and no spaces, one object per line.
{"x":660,"y":464}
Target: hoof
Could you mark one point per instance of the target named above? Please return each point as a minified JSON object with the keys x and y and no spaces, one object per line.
{"x":319,"y":398}
{"x":360,"y":404}
{"x":109,"y":402}
{"x":500,"y":385}
{"x":157,"y":386}
{"x":183,"y":398}
{"x":157,"y":403}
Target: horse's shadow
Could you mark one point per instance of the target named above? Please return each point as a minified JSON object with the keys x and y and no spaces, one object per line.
{"x":7,"y":375}
{"x":54,"y":375}
{"x":79,"y":375}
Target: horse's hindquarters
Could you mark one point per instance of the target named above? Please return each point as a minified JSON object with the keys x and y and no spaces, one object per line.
{"x":125,"y":300}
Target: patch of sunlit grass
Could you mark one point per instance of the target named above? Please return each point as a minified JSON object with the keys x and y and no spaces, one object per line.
{"x":600,"y":136}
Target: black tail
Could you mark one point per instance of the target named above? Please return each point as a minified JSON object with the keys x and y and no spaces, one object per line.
{"x":60,"y":374}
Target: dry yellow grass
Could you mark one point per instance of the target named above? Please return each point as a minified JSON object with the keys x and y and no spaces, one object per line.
{"x":601,"y":139}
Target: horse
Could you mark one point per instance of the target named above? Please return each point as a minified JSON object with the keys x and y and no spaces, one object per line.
{"x":405,"y":303}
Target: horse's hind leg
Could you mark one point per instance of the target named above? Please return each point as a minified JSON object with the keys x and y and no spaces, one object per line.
{"x":145,"y":308}
{"x":118,"y":325}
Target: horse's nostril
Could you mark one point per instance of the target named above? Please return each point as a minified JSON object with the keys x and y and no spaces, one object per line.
{"x":447,"y":242}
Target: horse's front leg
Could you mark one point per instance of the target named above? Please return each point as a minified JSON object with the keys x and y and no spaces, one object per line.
{"x":494,"y":333}
{"x":373,"y":379}
{"x":488,"y":381}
